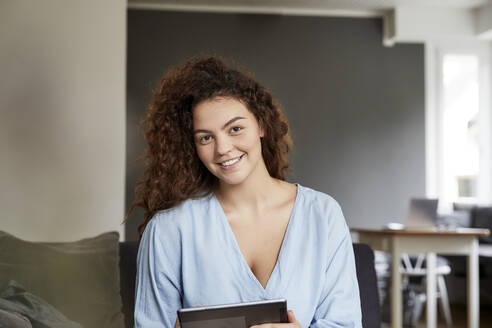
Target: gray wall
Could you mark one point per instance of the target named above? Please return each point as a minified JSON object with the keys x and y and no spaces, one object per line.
{"x":356,"y":108}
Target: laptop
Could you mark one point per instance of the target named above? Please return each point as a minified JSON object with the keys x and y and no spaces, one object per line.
{"x":422,"y":213}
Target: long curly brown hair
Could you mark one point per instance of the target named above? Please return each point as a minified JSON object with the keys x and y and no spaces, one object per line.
{"x":173,"y":172}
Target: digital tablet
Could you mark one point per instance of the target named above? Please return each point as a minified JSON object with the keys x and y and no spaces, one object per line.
{"x":239,"y":315}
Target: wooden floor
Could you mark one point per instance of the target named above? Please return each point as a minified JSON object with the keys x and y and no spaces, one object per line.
{"x":458,"y":313}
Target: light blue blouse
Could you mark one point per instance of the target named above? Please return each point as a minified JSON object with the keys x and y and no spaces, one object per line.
{"x":189,"y":256}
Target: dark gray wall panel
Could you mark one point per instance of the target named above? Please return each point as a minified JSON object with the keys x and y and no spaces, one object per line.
{"x":356,"y":108}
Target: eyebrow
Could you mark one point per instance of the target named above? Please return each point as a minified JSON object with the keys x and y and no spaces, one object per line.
{"x":237,"y":118}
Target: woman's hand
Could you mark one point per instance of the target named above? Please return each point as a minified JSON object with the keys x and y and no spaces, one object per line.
{"x":293,"y":323}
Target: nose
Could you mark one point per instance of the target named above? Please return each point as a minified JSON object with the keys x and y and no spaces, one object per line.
{"x":223,"y":145}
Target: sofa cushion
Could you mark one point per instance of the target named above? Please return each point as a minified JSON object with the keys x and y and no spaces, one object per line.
{"x":13,"y":320}
{"x":80,"y":279}
{"x":16,"y":299}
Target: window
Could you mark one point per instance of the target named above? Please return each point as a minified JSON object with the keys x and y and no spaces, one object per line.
{"x":458,"y":124}
{"x":460,"y":127}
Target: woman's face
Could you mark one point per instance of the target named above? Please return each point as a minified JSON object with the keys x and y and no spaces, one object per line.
{"x":227,"y":139}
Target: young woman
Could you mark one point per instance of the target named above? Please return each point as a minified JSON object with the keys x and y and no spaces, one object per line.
{"x":222,"y":225}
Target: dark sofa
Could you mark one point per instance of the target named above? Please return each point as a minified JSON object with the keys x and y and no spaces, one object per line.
{"x":364,"y":259}
{"x":473,"y":216}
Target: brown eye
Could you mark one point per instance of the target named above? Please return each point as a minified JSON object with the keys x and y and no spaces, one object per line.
{"x":204,"y":139}
{"x":236,"y":129}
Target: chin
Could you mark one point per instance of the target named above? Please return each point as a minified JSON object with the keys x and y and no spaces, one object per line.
{"x":232,"y":181}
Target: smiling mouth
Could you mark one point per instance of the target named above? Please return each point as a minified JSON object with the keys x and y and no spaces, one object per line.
{"x":231,"y":161}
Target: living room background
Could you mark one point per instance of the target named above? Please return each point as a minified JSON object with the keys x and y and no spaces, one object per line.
{"x":356,"y":108}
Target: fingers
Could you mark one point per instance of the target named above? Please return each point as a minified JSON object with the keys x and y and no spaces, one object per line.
{"x":291,"y":317}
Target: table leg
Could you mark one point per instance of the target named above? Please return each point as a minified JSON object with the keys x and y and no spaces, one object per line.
{"x":396,"y":302}
{"x":473,"y":291}
{"x":431,"y":291}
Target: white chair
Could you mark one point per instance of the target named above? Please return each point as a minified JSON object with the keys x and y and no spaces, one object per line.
{"x":414,"y":266}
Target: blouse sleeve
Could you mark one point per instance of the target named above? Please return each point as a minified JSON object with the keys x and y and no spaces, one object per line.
{"x":340,"y":298}
{"x":158,"y":287}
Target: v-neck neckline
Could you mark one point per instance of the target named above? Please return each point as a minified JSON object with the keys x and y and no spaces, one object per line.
{"x":239,"y":254}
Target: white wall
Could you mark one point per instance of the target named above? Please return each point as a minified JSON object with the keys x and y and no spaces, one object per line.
{"x":489,"y":98}
{"x":62,"y":118}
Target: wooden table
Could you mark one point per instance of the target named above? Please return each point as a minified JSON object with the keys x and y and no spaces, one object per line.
{"x":429,"y":241}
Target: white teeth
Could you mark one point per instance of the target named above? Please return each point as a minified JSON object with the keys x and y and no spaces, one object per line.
{"x":232,"y":161}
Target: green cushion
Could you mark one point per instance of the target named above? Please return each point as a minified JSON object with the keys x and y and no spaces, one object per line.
{"x":13,"y":320}
{"x":80,"y":279}
{"x":16,"y":299}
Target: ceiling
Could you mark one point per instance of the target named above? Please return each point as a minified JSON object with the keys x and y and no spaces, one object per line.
{"x":436,"y":19}
{"x":368,"y":6}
